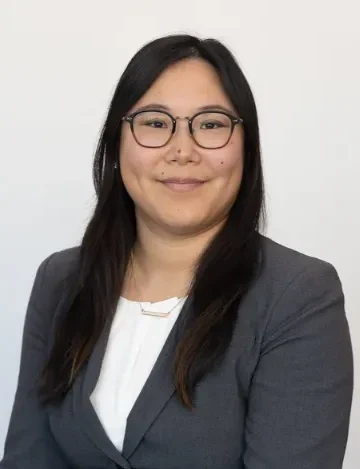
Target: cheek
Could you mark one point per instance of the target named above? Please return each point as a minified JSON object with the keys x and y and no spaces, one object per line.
{"x":130,"y":156}
{"x":135,"y":161}
{"x":229,"y":163}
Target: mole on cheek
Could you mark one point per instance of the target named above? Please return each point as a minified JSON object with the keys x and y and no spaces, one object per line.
{"x":221,"y":162}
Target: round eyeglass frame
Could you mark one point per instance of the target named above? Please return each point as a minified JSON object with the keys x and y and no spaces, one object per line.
{"x":234,"y":121}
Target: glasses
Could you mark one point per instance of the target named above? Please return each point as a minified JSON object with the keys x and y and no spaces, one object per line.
{"x":209,"y":129}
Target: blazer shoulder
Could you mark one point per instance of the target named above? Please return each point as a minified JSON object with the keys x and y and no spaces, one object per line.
{"x":61,"y":264}
{"x":54,"y":275}
{"x":282,"y":264}
{"x":291,"y":283}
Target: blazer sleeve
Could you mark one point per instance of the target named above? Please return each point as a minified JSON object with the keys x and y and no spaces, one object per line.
{"x":301,"y":391}
{"x":29,"y":443}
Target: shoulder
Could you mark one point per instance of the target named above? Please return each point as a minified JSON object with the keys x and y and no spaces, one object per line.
{"x":49,"y":288}
{"x":282,"y":263}
{"x":291,"y":283}
{"x":62,"y":263}
{"x":282,"y":266}
{"x":52,"y":275}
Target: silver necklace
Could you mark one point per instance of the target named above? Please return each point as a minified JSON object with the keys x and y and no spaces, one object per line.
{"x":146,"y":311}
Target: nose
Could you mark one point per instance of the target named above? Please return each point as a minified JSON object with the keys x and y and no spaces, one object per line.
{"x":183,"y":146}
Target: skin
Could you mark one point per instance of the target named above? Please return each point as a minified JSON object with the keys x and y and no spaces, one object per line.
{"x":175,"y":226}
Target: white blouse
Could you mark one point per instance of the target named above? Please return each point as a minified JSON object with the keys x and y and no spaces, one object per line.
{"x":134,"y":344}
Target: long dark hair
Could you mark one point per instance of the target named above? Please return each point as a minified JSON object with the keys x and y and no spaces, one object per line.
{"x":226,"y":268}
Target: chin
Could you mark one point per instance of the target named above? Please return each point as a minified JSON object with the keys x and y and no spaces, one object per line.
{"x":182,"y":227}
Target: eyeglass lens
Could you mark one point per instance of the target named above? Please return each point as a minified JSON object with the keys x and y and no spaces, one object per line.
{"x":154,"y":129}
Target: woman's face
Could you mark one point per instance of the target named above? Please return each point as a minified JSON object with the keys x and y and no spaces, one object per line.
{"x":183,"y":209}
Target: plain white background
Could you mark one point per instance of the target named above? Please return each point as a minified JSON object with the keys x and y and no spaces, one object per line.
{"x":60,"y":62}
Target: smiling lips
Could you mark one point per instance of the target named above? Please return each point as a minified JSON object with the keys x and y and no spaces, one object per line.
{"x":182,"y":184}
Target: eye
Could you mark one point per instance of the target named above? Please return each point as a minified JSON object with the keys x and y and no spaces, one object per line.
{"x":212,"y":121}
{"x":156,"y":124}
{"x":210,"y":125}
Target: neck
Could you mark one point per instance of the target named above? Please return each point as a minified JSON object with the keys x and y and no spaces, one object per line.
{"x":164,"y":263}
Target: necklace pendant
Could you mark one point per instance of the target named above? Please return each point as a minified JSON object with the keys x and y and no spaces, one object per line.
{"x":154,"y":313}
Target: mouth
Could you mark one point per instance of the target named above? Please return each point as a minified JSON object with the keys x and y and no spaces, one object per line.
{"x":182,"y":184}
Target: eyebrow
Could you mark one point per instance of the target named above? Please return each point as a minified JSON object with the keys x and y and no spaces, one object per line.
{"x":208,"y":107}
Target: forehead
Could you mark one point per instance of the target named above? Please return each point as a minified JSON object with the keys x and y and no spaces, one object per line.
{"x":187,"y":86}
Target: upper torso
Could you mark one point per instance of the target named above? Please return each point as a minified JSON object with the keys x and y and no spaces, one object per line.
{"x":280,"y":397}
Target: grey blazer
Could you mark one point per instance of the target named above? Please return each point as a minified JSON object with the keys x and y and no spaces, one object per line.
{"x":281,"y":398}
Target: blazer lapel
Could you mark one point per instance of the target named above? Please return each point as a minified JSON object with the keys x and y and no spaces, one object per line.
{"x":156,"y":392}
{"x":158,"y":388}
{"x":91,"y":423}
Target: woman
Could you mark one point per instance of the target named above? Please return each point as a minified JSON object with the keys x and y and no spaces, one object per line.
{"x":177,"y":336}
